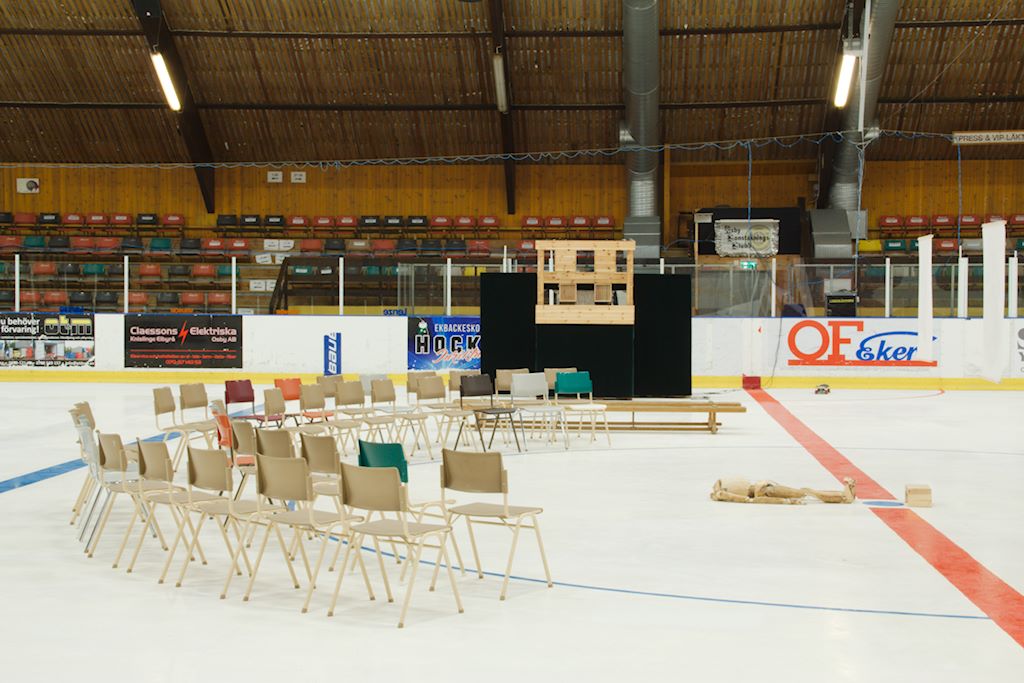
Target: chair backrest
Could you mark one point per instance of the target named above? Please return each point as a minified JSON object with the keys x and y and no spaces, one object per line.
{"x":367,"y":381}
{"x":349,"y":393}
{"x":476,"y":385}
{"x":552,"y":374}
{"x":503,"y":379}
{"x":372,"y":488}
{"x":274,"y":443}
{"x":80,"y":410}
{"x":311,"y":397}
{"x":473,"y":472}
{"x":163,"y":401}
{"x":373,"y":454}
{"x":155,"y":461}
{"x":112,"y":454}
{"x":455,"y":378}
{"x":321,"y":452}
{"x":243,"y":437}
{"x":430,"y":388}
{"x":382,"y":391}
{"x":573,"y":383}
{"x":283,"y":478}
{"x":413,"y":379}
{"x":531,"y":385}
{"x":328,"y":383}
{"x":273,"y":402}
{"x":210,"y":469}
{"x":193,"y":396}
{"x":238,"y":391}
{"x":291,"y":388}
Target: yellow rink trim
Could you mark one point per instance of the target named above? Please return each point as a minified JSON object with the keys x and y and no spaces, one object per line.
{"x":699,"y":381}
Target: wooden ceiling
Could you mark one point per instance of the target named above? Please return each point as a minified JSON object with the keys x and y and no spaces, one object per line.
{"x":312,"y":80}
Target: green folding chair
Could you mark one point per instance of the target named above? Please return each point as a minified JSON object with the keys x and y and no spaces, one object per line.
{"x":578,"y":384}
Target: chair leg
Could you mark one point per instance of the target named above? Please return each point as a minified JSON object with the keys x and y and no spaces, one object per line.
{"x":284,"y":551}
{"x":195,"y":542}
{"x":543,"y":555}
{"x":353,"y":542}
{"x":383,"y":571}
{"x":98,"y":532}
{"x":511,"y":555}
{"x":451,"y":574}
{"x":412,"y":584}
{"x":476,"y":555}
{"x":316,"y":572}
{"x":241,"y":543}
{"x":83,"y":495}
{"x":128,"y":532}
{"x":173,"y":550}
{"x":256,"y":567}
{"x":234,"y":559}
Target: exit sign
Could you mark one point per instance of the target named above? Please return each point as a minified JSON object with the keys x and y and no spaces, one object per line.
{"x":747,"y":265}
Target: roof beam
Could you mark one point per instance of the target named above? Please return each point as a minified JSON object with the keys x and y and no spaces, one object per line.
{"x":497,"y":14}
{"x":190,"y":125}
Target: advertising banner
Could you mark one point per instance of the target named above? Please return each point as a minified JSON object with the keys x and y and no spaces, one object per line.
{"x":854,"y":343}
{"x":41,"y":339}
{"x":332,"y":354}
{"x":182,"y":341}
{"x":444,"y":343}
{"x":750,"y":239}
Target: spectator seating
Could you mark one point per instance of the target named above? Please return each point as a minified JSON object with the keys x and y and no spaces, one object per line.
{"x":9,"y":244}
{"x":107,"y":245}
{"x":393,"y":225}
{"x":150,"y":273}
{"x":168,"y":299}
{"x":160,"y":246}
{"x":58,"y":243}
{"x":323,"y":223}
{"x":218,"y":300}
{"x":81,"y":245}
{"x":106,"y":300}
{"x":334,"y":247}
{"x":33,"y":243}
{"x":480,"y":248}
{"x":122,"y":221}
{"x":95,"y":271}
{"x":48,"y":220}
{"x":227,"y":220}
{"x":348,"y":224}
{"x":97,"y":220}
{"x":455,"y":248}
{"x":42,"y":270}
{"x":69,"y":270}
{"x":147,"y":220}
{"x":190,"y":246}
{"x":383,"y":247}
{"x":274,"y":222}
{"x":29,"y":298}
{"x":73,"y":220}
{"x":407,"y":248}
{"x":249,"y":221}
{"x":298,"y":222}
{"x":369,"y":223}
{"x":172,"y":220}
{"x":132,"y":245}
{"x":179,"y":273}
{"x":24,"y":219}
{"x":312,"y":247}
{"x":212,"y":246}
{"x":418,"y":224}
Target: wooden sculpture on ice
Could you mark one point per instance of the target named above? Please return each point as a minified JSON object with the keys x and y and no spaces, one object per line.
{"x":736,"y":490}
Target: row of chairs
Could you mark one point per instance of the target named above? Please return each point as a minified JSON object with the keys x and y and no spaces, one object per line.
{"x":970,"y":245}
{"x":95,"y":220}
{"x":288,"y":485}
{"x":37,"y":300}
{"x":182,"y":272}
{"x":400,"y":225}
{"x":946,"y":221}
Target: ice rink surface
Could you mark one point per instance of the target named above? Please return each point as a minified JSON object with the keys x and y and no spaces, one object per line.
{"x":652,"y":577}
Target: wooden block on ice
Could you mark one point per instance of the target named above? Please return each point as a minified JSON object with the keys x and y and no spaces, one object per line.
{"x":919,"y":495}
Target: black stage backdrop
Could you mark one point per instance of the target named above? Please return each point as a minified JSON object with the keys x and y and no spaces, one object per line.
{"x":651,"y":358}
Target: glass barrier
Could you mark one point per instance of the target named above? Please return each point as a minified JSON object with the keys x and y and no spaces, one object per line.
{"x":397,"y":286}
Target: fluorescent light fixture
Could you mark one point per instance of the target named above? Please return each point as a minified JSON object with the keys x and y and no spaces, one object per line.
{"x":165,"y":81}
{"x":845,"y":79}
{"x":500,"y":91}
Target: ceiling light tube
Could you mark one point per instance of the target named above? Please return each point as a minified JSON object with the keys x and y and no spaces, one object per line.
{"x":500,"y":90}
{"x":845,"y":80}
{"x":165,"y":81}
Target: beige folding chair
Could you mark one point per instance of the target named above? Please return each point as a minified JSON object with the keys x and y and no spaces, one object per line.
{"x":163,"y":404}
{"x":412,"y":382}
{"x":274,"y":409}
{"x":118,"y":474}
{"x":155,"y":468}
{"x":82,"y":411}
{"x":275,"y":443}
{"x":503,"y":379}
{"x":289,"y":479}
{"x":321,"y":454}
{"x":485,"y":473}
{"x":379,"y":489}
{"x":243,"y":451}
{"x":314,"y":408}
{"x":382,"y":424}
{"x":406,"y":419}
{"x":210,"y":481}
{"x":193,"y":397}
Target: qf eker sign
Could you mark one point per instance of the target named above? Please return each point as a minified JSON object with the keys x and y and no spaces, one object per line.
{"x":836,"y":343}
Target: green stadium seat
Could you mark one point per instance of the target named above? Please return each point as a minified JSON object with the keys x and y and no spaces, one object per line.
{"x":894,"y":245}
{"x":94,"y":270}
{"x":224,"y":270}
{"x":161,"y":245}
{"x":34,"y":243}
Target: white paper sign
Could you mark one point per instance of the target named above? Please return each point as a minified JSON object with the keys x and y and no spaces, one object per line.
{"x":756,"y":238}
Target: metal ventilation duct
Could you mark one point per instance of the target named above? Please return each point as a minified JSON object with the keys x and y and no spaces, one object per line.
{"x":881,"y":23}
{"x":640,"y":81}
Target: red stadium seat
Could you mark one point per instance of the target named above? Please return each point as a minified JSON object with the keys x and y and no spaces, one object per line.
{"x":82,"y":245}
{"x":206,"y":271}
{"x":172,"y":220}
{"x":107,"y":245}
{"x":527,"y":250}
{"x":989,"y":218}
{"x":1016,"y":220}
{"x":348,"y":222}
{"x":121,"y":220}
{"x":73,"y":220}
{"x":238,"y":244}
{"x":138,"y":298}
{"x":488,"y":222}
{"x":465,"y":224}
{"x":213,"y":245}
{"x":55,"y":298}
{"x":531,"y":222}
{"x":150,"y":271}
{"x":219,"y":298}
{"x":555,"y":221}
{"x":323,"y":222}
{"x":945,"y":244}
{"x":29,"y":298}
{"x":43,"y":269}
{"x":603,"y":226}
{"x":970,"y":220}
{"x":9,"y":243}
{"x":889,"y":222}
{"x":382,"y":247}
{"x":579,"y":221}
{"x":23,"y":219}
{"x":297,"y":222}
{"x":943,"y":220}
{"x":917,"y":222}
{"x":97,"y":220}
{"x":478,"y":248}
{"x":311,"y":246}
{"x":440,"y":222}
{"x":193,"y":299}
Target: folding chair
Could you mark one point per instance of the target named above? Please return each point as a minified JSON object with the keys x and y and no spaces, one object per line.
{"x":163,"y":403}
{"x":239,"y":391}
{"x":578,"y":383}
{"x":405,"y":419}
{"x":480,"y":385}
{"x":485,"y":473}
{"x":380,"y":490}
{"x":530,"y":388}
